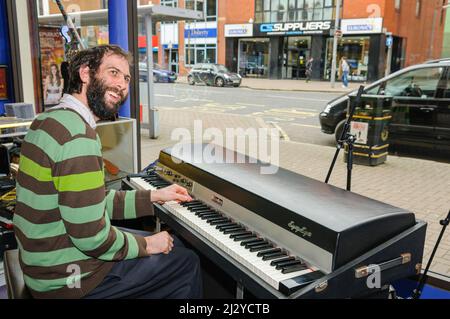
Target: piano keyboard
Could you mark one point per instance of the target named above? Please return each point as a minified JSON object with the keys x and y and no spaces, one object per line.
{"x":271,"y":263}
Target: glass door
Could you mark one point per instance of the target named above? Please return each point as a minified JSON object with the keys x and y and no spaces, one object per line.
{"x":297,"y":51}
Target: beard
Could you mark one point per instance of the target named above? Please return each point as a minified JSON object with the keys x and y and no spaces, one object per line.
{"x":96,"y":97}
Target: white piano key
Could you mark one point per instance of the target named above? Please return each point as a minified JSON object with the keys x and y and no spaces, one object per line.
{"x":250,"y":260}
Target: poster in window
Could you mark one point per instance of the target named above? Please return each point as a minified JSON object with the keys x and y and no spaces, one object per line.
{"x":3,"y":83}
{"x":52,"y":55}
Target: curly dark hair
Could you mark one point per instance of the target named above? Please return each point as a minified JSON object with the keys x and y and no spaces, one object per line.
{"x":93,"y":58}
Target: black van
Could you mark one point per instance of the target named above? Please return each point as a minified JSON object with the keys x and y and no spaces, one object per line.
{"x":420,"y":108}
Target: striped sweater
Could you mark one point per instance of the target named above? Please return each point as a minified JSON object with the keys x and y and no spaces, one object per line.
{"x":62,"y":223}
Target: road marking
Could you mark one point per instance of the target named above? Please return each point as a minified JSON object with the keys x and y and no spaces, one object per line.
{"x":296,"y":98}
{"x":283,"y":134}
{"x":250,"y":104}
{"x":193,"y":100}
{"x":305,"y":125}
{"x":163,"y":95}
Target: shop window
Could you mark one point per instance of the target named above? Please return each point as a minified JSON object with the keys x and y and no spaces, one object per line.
{"x":356,"y":49}
{"x":254,"y":57}
{"x":56,"y":46}
{"x":200,"y":53}
{"x":293,"y":10}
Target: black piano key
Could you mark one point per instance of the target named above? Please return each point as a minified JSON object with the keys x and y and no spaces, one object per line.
{"x":269,"y":251}
{"x":256,"y":243}
{"x":192,"y":203}
{"x":200,"y":214}
{"x":244,"y":237}
{"x":232,"y":230}
{"x":224,"y":223}
{"x":210,"y":216}
{"x":219,"y":218}
{"x":293,"y":268}
{"x":274,"y":256}
{"x":226,"y":226}
{"x":240,"y":233}
{"x":288,"y":263}
{"x":282,"y":260}
{"x":215,"y":222}
{"x":249,"y":241}
{"x":199,"y":209}
{"x":289,"y":286}
{"x":260,"y":247}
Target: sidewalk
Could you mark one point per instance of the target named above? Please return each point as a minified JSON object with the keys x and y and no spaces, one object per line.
{"x":291,"y":85}
{"x":420,"y":186}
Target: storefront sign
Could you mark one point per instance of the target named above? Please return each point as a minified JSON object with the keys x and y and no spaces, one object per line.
{"x":3,"y":83}
{"x":362,"y":26}
{"x":200,"y":33}
{"x":294,"y":28}
{"x":238,"y":30}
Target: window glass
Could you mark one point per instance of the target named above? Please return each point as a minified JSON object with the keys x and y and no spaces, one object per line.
{"x":55,"y":48}
{"x":418,"y":83}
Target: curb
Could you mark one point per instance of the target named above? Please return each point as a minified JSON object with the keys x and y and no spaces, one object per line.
{"x":287,"y":90}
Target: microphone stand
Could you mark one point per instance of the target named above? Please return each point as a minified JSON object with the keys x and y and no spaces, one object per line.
{"x":347,"y":138}
{"x":418,"y":291}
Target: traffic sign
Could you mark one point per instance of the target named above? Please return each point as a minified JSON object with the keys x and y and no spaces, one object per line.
{"x":389,"y":41}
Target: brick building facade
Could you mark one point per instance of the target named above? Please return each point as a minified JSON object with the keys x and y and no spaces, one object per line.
{"x":275,"y":38}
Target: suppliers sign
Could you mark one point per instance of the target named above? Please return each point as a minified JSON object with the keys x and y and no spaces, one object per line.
{"x":294,"y":28}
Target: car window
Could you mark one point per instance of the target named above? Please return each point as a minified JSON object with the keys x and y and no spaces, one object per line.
{"x":447,"y":91}
{"x":420,"y":83}
{"x":222,"y":69}
{"x":206,"y":67}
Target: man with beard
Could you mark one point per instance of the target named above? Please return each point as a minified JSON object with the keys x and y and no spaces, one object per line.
{"x":68,"y":247}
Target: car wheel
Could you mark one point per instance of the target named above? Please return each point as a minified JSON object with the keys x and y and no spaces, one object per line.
{"x":191,"y":80}
{"x":338,"y":130}
{"x":220,"y":82}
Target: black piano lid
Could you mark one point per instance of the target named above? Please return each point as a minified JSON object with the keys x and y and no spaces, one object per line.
{"x":339,"y":216}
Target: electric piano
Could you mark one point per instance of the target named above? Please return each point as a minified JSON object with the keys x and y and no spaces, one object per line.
{"x":285,"y":235}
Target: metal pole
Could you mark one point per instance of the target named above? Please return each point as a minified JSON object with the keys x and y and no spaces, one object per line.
{"x":433,"y":26}
{"x":152,"y":120}
{"x":70,"y":24}
{"x":389,"y":59}
{"x":335,"y":44}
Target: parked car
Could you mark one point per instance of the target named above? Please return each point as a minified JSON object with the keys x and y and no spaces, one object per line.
{"x":420,"y":108}
{"x":213,"y":74}
{"x":159,"y":74}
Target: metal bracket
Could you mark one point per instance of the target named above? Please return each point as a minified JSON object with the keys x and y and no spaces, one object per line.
{"x":364,"y":271}
{"x":321,"y":287}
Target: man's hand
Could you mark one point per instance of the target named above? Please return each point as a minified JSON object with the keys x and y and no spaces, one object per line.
{"x":159,"y":243}
{"x":171,"y":193}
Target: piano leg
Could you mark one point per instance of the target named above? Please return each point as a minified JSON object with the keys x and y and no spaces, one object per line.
{"x":239,"y":290}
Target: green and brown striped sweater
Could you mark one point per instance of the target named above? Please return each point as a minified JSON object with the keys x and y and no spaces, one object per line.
{"x":62,"y":219}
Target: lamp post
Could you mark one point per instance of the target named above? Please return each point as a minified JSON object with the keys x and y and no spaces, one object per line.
{"x":335,"y":43}
{"x":433,"y":26}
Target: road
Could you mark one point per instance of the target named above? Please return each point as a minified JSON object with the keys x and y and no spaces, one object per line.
{"x":294,"y":113}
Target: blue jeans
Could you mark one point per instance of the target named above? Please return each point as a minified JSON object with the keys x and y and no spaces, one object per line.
{"x":345,"y":78}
